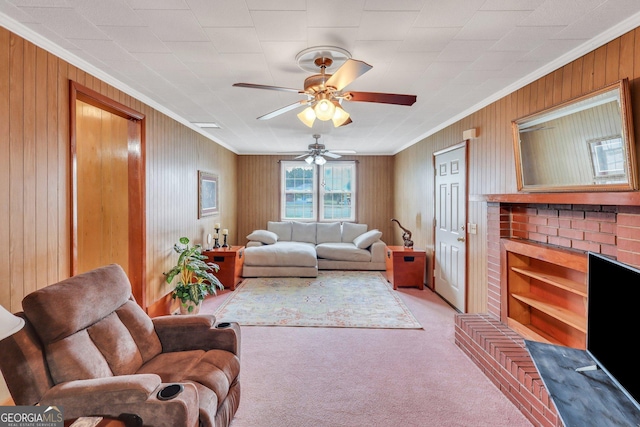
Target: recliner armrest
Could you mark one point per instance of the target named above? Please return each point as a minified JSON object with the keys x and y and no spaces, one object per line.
{"x":125,"y":388}
{"x":133,"y":394}
{"x":196,"y":332}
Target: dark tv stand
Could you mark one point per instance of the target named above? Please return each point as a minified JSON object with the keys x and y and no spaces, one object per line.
{"x":582,"y":398}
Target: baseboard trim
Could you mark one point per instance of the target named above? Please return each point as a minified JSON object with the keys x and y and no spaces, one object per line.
{"x":161,"y":307}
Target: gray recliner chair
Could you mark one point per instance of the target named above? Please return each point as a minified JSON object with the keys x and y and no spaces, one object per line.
{"x":89,"y":348}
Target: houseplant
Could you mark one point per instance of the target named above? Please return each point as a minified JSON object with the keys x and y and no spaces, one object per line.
{"x":195,"y":277}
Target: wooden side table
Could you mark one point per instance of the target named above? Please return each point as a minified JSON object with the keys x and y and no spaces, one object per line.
{"x":405,"y":267}
{"x":230,"y":260}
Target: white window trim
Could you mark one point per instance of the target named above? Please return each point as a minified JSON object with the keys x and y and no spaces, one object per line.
{"x":317,"y":190}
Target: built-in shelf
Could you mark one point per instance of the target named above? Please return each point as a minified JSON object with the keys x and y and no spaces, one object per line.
{"x":561,"y":282}
{"x":544,"y":292}
{"x":530,"y":332}
{"x":564,"y":315}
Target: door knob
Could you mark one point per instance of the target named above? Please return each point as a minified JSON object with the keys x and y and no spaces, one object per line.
{"x":461,"y":239}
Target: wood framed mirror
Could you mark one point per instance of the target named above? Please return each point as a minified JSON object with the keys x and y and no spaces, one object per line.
{"x":585,"y":144}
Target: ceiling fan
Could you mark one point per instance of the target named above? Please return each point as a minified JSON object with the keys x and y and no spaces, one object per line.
{"x":318,"y":152}
{"x":325,"y":92}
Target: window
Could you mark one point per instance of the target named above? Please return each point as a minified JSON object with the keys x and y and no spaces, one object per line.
{"x":299,"y":194}
{"x":607,"y":157}
{"x":338,"y":191}
{"x":318,"y":193}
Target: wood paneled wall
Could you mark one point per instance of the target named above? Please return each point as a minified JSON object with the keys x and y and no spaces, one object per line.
{"x":35,"y":174}
{"x":491,"y":167}
{"x":259,"y":193}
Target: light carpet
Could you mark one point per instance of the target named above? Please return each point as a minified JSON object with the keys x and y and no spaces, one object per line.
{"x":345,"y":299}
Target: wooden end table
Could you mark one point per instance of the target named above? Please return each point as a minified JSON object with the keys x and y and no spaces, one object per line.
{"x":405,"y":267}
{"x":230,"y":260}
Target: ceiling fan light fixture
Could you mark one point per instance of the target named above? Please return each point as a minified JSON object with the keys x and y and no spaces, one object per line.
{"x":340,"y":116}
{"x":307,"y":116}
{"x":309,"y":160}
{"x":325,"y":109}
{"x":319,"y":160}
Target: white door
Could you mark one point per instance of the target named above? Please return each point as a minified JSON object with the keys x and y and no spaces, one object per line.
{"x":450,"y":266}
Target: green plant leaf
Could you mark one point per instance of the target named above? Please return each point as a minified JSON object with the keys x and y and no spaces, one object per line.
{"x":196,"y":278}
{"x":171,"y":274}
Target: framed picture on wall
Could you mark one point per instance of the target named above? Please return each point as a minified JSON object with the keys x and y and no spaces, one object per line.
{"x":208,"y":190}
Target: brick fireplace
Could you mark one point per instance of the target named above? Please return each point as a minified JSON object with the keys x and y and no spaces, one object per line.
{"x":610,"y":229}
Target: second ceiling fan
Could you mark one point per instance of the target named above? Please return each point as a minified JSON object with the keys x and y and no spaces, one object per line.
{"x":325,"y":92}
{"x":317,"y":153}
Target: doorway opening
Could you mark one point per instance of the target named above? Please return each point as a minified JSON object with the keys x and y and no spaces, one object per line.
{"x":107,"y":186}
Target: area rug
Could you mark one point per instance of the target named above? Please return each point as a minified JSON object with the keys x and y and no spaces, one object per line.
{"x":345,"y":299}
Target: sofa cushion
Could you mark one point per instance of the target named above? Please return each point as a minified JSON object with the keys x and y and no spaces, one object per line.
{"x":217,"y":370}
{"x":264,"y":236}
{"x":351,"y":230}
{"x":281,"y":228}
{"x":342,"y":252}
{"x":172,"y":367}
{"x":282,"y":254}
{"x":303,"y":232}
{"x":328,"y":232}
{"x":367,"y":239}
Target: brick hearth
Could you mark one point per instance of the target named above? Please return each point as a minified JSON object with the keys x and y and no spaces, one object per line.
{"x":501,"y":355}
{"x":495,"y":348}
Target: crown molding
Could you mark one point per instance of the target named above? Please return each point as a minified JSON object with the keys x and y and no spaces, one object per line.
{"x":590,"y":45}
{"x":46,"y":44}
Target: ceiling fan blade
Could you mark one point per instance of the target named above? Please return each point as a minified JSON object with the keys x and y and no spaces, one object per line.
{"x":347,"y":73}
{"x":267,"y":87}
{"x":384,"y":98}
{"x":283,"y":110}
{"x":347,"y":122}
{"x":302,"y":155}
{"x":331,"y":155}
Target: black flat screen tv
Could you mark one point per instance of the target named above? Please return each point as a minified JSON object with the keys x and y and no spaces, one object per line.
{"x":613,"y":316}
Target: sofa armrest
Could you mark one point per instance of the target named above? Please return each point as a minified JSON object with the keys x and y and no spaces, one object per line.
{"x":377,"y":251}
{"x":196,"y":332}
{"x":125,"y":394}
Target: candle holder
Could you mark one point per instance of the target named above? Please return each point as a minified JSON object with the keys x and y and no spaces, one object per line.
{"x":225,"y":245}
{"x":216,"y":243}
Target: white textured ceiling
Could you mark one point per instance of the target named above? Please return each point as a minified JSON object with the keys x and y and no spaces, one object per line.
{"x":182,"y":57}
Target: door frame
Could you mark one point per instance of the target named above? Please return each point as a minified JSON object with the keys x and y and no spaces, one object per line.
{"x":463,"y":144}
{"x":136,"y":185}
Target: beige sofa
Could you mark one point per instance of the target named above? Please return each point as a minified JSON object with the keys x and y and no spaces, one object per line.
{"x":89,"y":348}
{"x":300,"y":249}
